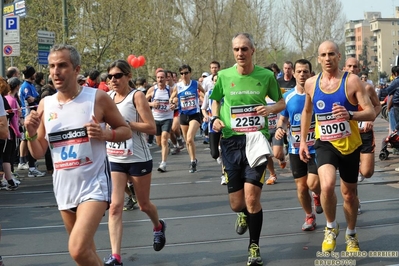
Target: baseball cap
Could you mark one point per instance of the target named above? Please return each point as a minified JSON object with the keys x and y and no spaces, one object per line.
{"x":205,"y":74}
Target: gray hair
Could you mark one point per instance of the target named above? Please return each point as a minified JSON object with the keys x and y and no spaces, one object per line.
{"x":246,"y":35}
{"x":74,"y":54}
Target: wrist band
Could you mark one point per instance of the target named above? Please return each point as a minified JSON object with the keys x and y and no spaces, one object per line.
{"x":28,"y":138}
{"x":280,"y":128}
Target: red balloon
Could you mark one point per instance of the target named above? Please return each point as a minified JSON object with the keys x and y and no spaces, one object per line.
{"x":141,"y":60}
{"x":135,"y":62}
{"x":129,"y":58}
{"x":130,"y":61}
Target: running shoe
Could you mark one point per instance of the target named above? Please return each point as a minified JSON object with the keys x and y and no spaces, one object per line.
{"x":112,"y":261}
{"x":282,"y":164}
{"x":360,"y":178}
{"x":162,"y":167}
{"x":35,"y":173}
{"x":159,"y":237}
{"x":130,"y":203}
{"x":330,"y":236}
{"x":241,"y":223}
{"x":317,"y":205}
{"x":180,"y":143}
{"x":206,"y":140}
{"x":359,"y":210}
{"x":223,"y":180}
{"x":193,"y":166}
{"x":271,"y":180}
{"x":352,"y":243}
{"x":174,"y":150}
{"x":23,"y":166}
{"x":12,"y":187}
{"x":219,"y":160}
{"x":254,"y":258}
{"x":310,"y":223}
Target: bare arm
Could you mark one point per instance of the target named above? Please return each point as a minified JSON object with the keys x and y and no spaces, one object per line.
{"x":34,"y":125}
{"x":147,"y":123}
{"x":374,"y":99}
{"x":217,"y":124}
{"x":281,"y":127}
{"x":367,"y":113}
{"x":306,"y":119}
{"x":108,"y":112}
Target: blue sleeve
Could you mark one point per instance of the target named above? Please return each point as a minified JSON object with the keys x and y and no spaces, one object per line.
{"x":392,"y":87}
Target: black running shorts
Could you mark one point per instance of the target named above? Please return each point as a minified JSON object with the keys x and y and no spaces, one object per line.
{"x":299,"y":168}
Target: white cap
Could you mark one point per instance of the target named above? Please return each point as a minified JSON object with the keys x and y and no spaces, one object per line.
{"x":205,"y":74}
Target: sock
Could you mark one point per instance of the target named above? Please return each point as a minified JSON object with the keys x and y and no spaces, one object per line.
{"x":117,"y":257}
{"x":32,"y":168}
{"x":159,"y":228}
{"x":332,"y":224}
{"x":255,"y":222}
{"x":350,"y":232}
{"x":193,"y":161}
{"x":22,"y":160}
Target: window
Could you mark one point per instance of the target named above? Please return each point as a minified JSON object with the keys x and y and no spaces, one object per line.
{"x":393,"y":33}
{"x":393,"y":23}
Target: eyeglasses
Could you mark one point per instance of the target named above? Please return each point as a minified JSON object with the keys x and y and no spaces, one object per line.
{"x":116,"y":76}
{"x":184,"y":73}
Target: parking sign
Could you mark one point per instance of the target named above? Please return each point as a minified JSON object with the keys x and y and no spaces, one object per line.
{"x":11,"y":29}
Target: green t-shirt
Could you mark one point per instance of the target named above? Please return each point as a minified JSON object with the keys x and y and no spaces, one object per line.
{"x":240,"y":94}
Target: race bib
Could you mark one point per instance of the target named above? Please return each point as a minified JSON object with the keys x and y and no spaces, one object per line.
{"x":121,"y":149}
{"x":332,"y":128}
{"x":70,"y":148}
{"x":188,"y":102}
{"x":163,"y":106}
{"x":295,"y":138}
{"x":245,"y":119}
{"x":272,"y":121}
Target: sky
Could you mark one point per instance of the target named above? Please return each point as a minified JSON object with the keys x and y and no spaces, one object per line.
{"x":354,"y":9}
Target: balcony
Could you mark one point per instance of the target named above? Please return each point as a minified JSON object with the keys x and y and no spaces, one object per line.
{"x":350,"y":52}
{"x":350,"y":33}
{"x":350,"y":43}
{"x":374,"y":48}
{"x":373,"y":38}
{"x":374,"y":58}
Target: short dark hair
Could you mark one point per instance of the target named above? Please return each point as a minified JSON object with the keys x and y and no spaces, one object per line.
{"x":39,"y":77}
{"x":11,"y":72}
{"x":303,"y":62}
{"x":93,"y":74}
{"x":184,"y":67}
{"x":214,"y":63}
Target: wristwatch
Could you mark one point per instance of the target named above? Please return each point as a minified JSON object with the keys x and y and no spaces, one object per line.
{"x":350,"y":115}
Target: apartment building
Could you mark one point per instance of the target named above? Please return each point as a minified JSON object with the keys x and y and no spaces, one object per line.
{"x":359,"y":40}
{"x":386,"y":41}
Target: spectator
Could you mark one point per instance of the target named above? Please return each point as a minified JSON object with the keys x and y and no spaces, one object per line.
{"x":103,"y":82}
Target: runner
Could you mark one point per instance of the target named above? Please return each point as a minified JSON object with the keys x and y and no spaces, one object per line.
{"x":242,"y":120}
{"x":78,"y":149}
{"x":334,"y":96}
{"x":131,"y":159}
{"x":305,"y":174}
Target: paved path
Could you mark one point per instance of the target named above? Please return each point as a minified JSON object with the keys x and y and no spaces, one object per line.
{"x":200,"y":224}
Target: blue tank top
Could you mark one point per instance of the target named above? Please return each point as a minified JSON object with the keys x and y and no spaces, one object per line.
{"x":294,"y":102}
{"x":343,"y":135}
{"x":188,"y":98}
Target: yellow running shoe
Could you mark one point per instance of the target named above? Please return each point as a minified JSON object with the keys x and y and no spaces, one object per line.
{"x":241,"y":223}
{"x":330,"y":236}
{"x":352,"y":243}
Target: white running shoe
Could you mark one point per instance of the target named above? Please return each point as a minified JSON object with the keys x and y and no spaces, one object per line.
{"x":23,"y":166}
{"x":223,"y":181}
{"x":162,"y":167}
{"x":35,"y":173}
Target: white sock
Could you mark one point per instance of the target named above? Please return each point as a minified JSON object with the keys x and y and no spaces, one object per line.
{"x":332,"y":224}
{"x":350,"y":232}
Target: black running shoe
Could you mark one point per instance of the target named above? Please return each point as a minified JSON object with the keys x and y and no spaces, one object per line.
{"x":159,"y":237}
{"x":130,"y":203}
{"x":112,"y":262}
{"x":193,"y":166}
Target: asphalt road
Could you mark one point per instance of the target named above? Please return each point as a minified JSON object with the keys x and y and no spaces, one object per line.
{"x":200,"y":224}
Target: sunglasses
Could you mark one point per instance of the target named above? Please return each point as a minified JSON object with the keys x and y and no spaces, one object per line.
{"x":184,"y":73}
{"x":116,"y":76}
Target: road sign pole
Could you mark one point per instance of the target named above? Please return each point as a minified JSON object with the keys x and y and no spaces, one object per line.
{"x":2,"y":70}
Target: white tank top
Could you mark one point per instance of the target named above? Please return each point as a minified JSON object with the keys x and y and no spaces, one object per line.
{"x":81,"y":166}
{"x":163,"y":111}
{"x":135,"y":149}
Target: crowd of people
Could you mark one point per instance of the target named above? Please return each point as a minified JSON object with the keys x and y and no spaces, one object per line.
{"x":318,"y":123}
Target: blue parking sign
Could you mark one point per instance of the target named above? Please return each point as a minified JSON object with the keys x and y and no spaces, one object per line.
{"x":11,"y":23}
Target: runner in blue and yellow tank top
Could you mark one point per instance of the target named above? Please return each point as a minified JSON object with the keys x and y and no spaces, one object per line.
{"x":334,"y":97}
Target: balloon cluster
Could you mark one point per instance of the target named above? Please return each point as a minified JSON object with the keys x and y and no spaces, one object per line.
{"x":136,"y":62}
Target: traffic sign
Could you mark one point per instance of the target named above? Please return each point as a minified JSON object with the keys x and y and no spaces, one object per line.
{"x":45,"y":34}
{"x":12,"y":49}
{"x":43,"y":61}
{"x":45,"y":39}
{"x":11,"y":29}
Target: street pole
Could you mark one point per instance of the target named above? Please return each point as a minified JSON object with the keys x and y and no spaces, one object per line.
{"x":2,"y":70}
{"x":64,"y":21}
